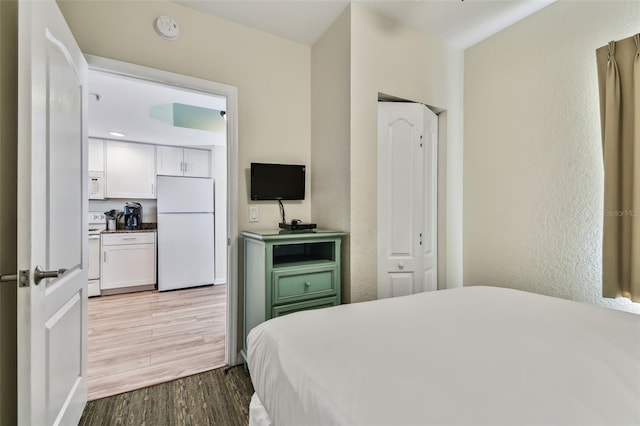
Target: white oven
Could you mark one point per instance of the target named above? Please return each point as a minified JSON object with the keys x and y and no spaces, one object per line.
{"x":97,"y":224}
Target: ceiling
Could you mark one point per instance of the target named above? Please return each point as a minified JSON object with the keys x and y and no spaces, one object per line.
{"x":123,"y":104}
{"x":458,"y":22}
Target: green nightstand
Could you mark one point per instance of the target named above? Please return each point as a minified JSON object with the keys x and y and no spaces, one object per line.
{"x":286,"y":272}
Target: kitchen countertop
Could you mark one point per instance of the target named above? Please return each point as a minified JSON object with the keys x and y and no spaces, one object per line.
{"x":146,"y":227}
{"x":125,"y":231}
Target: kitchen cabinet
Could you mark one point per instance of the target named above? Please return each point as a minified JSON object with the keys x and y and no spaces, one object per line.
{"x":130,"y":170}
{"x":289,"y":272}
{"x":96,"y":155}
{"x":175,"y":161}
{"x":197,"y":162}
{"x":128,"y":260}
{"x":96,"y":169}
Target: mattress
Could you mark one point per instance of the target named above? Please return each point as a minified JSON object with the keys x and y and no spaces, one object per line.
{"x":469,"y":356}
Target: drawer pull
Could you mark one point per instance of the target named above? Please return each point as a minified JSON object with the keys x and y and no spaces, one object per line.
{"x":130,"y":238}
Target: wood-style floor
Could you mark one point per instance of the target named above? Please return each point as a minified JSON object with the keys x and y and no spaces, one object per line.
{"x":145,"y":338}
{"x":217,"y":397}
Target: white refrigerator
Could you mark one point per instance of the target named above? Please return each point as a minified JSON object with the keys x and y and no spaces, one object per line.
{"x":185,"y":232}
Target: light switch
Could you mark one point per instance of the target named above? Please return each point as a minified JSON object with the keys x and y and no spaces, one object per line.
{"x":254,"y":214}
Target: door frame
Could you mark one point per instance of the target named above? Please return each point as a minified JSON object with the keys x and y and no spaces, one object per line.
{"x":180,"y":81}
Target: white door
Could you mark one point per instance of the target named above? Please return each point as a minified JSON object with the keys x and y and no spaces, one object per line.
{"x":94,"y":257}
{"x":128,"y":265}
{"x":52,"y":199}
{"x":130,"y":170}
{"x":197,"y":162}
{"x":96,"y":155}
{"x":407,"y":194}
{"x":186,"y":250}
{"x":185,"y":195}
{"x":169,"y":161}
{"x":429,"y":212}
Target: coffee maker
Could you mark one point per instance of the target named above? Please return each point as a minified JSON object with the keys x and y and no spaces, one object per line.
{"x":132,"y":215}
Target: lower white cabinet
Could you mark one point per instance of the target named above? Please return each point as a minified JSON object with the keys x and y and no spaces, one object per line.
{"x":128,"y":260}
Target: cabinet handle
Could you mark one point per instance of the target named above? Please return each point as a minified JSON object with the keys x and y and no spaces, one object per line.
{"x":104,"y":257}
{"x":185,"y":167}
{"x":129,"y":238}
{"x":153,"y":189}
{"x":182,"y":166}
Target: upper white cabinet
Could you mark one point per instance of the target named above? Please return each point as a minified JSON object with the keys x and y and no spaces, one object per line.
{"x":130,"y":170}
{"x":96,"y":155}
{"x":169,"y":160}
{"x":175,"y":161}
{"x":197,"y":162}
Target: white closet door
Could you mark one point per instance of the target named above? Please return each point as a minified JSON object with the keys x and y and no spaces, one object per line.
{"x":429,"y":246}
{"x":407,"y":185}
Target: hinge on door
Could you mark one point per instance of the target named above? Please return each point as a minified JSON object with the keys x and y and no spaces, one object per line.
{"x":228,"y":241}
{"x":421,"y":141}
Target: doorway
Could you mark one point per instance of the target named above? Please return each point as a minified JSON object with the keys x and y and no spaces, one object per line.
{"x":219,"y":300}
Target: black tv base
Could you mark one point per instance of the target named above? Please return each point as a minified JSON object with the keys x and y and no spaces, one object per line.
{"x":299,"y":226}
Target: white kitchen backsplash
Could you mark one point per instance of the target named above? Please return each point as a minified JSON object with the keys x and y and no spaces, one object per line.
{"x":149,"y":207}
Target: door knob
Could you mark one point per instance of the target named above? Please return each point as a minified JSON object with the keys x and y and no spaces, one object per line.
{"x":39,"y":274}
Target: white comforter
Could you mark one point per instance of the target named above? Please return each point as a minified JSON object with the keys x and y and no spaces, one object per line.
{"x":476,"y":355}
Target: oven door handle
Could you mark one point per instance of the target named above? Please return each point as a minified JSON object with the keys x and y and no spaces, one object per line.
{"x":94,"y":237}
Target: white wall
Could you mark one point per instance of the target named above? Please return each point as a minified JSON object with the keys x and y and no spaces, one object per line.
{"x":272,"y":76}
{"x":394,"y":60}
{"x":533,"y":177}
{"x":8,"y":214}
{"x":330,"y":134}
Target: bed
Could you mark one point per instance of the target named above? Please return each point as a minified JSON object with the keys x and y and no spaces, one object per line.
{"x":469,"y":356}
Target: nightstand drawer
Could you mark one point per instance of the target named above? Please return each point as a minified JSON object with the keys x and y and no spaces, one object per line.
{"x":326,"y":302}
{"x":304,"y":283}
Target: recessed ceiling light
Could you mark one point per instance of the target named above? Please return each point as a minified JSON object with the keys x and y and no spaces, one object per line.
{"x":118,"y":134}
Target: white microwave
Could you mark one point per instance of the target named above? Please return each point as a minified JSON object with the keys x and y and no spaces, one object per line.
{"x":96,"y":185}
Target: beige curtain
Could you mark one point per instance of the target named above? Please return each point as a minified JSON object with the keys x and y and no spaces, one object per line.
{"x":619,"y":83}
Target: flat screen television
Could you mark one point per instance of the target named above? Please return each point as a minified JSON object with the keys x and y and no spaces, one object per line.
{"x":277,"y":181}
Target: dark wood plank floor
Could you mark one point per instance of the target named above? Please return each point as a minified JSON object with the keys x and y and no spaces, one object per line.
{"x":210,"y":398}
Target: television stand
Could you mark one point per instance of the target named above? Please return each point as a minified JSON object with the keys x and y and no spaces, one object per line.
{"x":289,"y":272}
{"x":297,"y":226}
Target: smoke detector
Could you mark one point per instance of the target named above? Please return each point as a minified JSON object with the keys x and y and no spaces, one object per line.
{"x":167,"y":27}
